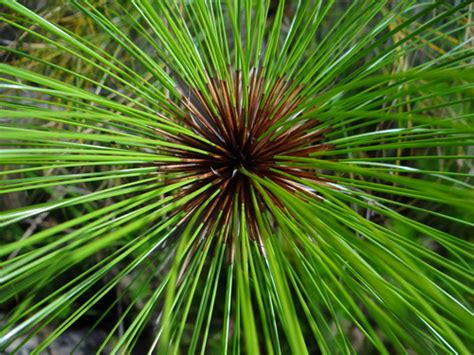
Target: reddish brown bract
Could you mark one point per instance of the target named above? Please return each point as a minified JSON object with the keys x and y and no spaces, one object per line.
{"x":240,"y":143}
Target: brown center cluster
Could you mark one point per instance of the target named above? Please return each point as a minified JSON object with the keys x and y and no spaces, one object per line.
{"x":241,"y":141}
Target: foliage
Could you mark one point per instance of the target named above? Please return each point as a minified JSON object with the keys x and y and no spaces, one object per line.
{"x":122,"y":126}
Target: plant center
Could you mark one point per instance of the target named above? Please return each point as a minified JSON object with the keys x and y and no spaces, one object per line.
{"x":234,"y":148}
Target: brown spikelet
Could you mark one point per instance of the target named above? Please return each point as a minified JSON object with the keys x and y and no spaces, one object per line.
{"x":238,"y":143}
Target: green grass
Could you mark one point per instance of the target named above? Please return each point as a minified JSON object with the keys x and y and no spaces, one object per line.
{"x":96,"y":233}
